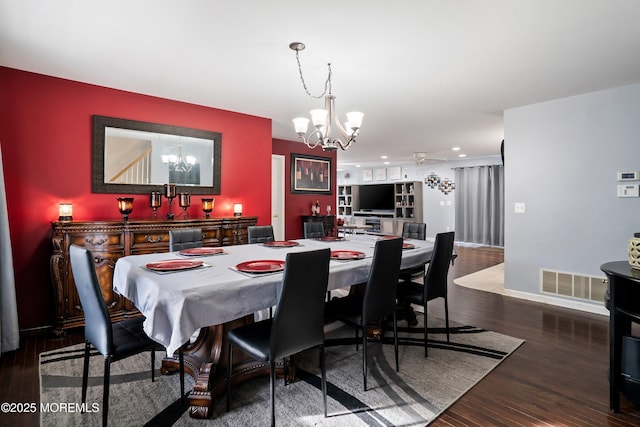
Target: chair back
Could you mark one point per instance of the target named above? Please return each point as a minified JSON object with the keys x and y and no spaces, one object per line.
{"x":380,"y":291}
{"x":313,"y":230}
{"x":260,"y":233}
{"x":435,"y":280}
{"x":414,"y":230}
{"x":186,"y":238}
{"x":97,"y":323}
{"x":298,"y":323}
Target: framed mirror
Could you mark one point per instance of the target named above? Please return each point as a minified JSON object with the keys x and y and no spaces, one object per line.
{"x":139,"y":157}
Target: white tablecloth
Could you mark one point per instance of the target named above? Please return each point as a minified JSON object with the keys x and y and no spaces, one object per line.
{"x":179,"y":303}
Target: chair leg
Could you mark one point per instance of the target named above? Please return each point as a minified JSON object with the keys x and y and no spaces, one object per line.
{"x":85,"y":373}
{"x":284,"y":370}
{"x":446,"y":315}
{"x":272,"y":386}
{"x":229,"y":376}
{"x":426,"y":329}
{"x":105,"y":393}
{"x":395,"y":339}
{"x":364,"y":332}
{"x":181,"y":365}
{"x":323,"y":373}
{"x":364,"y":357}
{"x":153,"y":365}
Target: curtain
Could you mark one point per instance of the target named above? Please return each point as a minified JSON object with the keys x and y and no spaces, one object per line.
{"x":9,"y":331}
{"x":479,"y":197}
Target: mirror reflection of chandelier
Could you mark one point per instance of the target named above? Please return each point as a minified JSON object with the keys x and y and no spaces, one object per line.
{"x":177,"y":162}
{"x":323,"y":119}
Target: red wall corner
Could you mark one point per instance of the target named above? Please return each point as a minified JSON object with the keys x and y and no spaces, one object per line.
{"x":297,"y":205}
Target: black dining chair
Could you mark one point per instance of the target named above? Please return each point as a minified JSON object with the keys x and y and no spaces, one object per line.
{"x":378,"y":300}
{"x":115,"y":341}
{"x":435,"y":281}
{"x":298,"y":323}
{"x":185,"y":238}
{"x":418,"y":231}
{"x":313,"y":230}
{"x":260,"y":233}
{"x":414,"y":230}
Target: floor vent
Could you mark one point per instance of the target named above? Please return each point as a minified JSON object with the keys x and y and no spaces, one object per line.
{"x":580,"y":286}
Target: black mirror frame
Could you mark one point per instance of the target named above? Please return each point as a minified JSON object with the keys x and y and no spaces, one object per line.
{"x":102,"y":122}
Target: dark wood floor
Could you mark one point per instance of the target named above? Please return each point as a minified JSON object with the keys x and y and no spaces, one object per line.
{"x":557,"y":378}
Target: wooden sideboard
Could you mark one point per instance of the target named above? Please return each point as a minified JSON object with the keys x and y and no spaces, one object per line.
{"x":110,"y":240}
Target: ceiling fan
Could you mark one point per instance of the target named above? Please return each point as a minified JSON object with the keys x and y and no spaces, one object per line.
{"x":420,"y":158}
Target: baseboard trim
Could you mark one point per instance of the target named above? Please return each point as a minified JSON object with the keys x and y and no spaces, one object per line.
{"x":558,"y":302}
{"x":40,"y":330}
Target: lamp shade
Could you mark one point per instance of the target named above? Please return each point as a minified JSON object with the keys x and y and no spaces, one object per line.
{"x":319,"y":117}
{"x":65,"y":212}
{"x":237,"y":209}
{"x":301,"y":124}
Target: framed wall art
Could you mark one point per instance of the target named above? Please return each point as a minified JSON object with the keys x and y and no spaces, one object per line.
{"x":311,"y":174}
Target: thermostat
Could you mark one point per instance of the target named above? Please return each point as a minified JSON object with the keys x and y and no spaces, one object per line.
{"x":628,"y":190}
{"x":629,"y":176}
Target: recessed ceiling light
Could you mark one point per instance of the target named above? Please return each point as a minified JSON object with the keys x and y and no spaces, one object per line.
{"x":386,"y":163}
{"x":384,"y":157}
{"x":357,"y":166}
{"x":462,"y":155}
{"x":456,"y":148}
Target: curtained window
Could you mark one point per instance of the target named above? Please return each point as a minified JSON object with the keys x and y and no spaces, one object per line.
{"x":479,"y":198}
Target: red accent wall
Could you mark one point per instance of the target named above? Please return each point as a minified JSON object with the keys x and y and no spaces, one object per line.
{"x":45,"y":132}
{"x":297,"y":205}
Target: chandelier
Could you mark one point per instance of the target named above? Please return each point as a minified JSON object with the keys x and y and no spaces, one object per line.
{"x":179,"y":163}
{"x":323,"y":119}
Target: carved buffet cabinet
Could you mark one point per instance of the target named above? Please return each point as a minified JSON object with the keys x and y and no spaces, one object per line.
{"x":110,"y":240}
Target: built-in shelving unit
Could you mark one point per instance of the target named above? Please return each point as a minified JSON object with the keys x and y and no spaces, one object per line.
{"x":408,"y":200}
{"x":347,"y":200}
{"x":407,"y":208}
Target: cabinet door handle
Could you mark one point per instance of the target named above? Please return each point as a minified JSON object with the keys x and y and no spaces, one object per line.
{"x":90,"y":241}
{"x":98,"y":259}
{"x":153,"y":239}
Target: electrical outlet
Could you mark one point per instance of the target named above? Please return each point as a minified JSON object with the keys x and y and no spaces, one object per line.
{"x":518,"y":207}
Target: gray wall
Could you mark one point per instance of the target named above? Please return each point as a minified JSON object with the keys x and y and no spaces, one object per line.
{"x":561,"y":159}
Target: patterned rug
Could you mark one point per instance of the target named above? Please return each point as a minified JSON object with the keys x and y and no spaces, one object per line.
{"x":416,"y":395}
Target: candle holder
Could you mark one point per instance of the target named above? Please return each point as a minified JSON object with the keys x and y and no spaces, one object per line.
{"x":170,"y":193}
{"x":207,"y":206}
{"x":155,"y":201}
{"x":184,"y":200}
{"x":125,"y":206}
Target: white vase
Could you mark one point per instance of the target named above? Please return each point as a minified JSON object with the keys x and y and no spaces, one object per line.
{"x":634,"y":251}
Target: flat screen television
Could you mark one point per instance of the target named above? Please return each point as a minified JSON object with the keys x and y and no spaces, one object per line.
{"x":376,"y":197}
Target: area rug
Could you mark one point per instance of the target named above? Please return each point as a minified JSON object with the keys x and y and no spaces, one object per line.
{"x":416,"y":395}
{"x":490,"y":279}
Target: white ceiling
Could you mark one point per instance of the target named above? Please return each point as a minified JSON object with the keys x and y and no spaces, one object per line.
{"x":428,"y":74}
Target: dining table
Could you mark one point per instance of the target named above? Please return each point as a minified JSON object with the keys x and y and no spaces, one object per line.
{"x":212,"y":290}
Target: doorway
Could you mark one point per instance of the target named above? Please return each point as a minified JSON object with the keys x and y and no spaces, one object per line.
{"x":277,"y":195}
